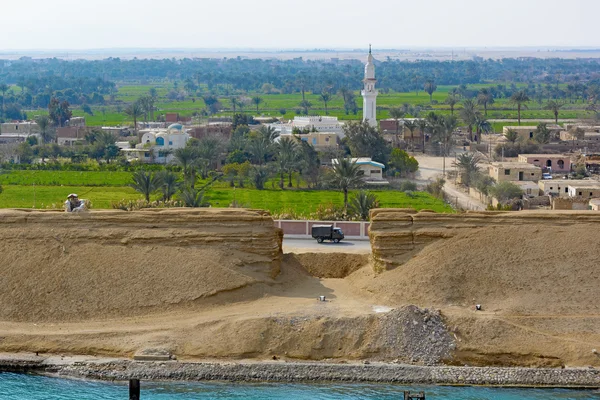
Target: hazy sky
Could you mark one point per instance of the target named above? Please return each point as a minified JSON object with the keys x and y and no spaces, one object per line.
{"x":90,"y":24}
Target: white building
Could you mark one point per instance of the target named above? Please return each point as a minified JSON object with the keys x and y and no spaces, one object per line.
{"x":319,"y":123}
{"x":158,"y":145}
{"x":369,"y":93}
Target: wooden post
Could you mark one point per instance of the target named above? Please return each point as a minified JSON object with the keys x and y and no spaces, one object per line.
{"x":134,"y":389}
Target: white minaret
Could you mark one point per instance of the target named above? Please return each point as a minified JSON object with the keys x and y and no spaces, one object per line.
{"x":369,"y":93}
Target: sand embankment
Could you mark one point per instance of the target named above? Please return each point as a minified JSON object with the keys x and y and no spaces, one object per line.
{"x":67,"y":267}
{"x":534,"y":273}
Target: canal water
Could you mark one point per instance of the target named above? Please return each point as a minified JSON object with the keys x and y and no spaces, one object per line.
{"x":35,"y":387}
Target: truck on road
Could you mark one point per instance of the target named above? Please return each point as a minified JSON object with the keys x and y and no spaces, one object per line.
{"x":327,"y":232}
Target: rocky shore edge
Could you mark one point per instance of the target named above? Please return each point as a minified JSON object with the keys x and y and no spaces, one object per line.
{"x":281,"y":371}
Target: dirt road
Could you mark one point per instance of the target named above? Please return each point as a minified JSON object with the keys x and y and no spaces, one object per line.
{"x":431,"y":168}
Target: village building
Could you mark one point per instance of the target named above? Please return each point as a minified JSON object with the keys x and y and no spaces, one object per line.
{"x":514,"y":171}
{"x":371,"y":171}
{"x":586,"y":189}
{"x":19,"y":127}
{"x":158,"y":145}
{"x":70,"y":135}
{"x":529,"y":188}
{"x":318,"y":124}
{"x":320,"y":140}
{"x":528,"y":132}
{"x":218,"y":129}
{"x":551,"y":162}
{"x":559,"y":187}
{"x":595,"y":204}
{"x":589,"y":136}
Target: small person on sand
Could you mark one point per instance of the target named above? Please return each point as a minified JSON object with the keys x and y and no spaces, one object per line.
{"x":73,"y":204}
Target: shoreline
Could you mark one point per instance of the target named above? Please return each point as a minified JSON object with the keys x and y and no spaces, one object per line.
{"x":107,"y":369}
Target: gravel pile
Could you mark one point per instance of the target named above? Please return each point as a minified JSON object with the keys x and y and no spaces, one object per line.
{"x":417,"y":335}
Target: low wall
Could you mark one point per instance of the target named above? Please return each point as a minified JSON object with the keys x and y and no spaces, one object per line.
{"x":302,"y":228}
{"x":397,"y":234}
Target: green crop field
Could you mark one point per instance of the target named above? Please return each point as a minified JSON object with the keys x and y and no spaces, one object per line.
{"x":111,"y":115}
{"x":34,"y":196}
{"x":66,"y":178}
{"x":300,"y":201}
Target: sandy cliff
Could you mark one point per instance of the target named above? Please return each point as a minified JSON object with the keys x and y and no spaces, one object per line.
{"x":59,"y":266}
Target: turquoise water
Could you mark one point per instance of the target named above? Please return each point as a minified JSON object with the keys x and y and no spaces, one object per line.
{"x":34,"y":387}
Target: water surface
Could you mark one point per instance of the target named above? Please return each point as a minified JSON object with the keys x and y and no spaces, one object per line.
{"x":35,"y":387}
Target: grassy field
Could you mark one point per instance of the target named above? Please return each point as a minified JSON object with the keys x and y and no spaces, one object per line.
{"x":35,"y":196}
{"x":502,"y":109}
{"x":66,"y":178}
{"x":300,"y":201}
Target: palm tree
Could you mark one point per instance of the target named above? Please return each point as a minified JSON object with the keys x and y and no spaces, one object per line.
{"x":346,"y":175}
{"x":135,"y":110}
{"x":187,"y":158}
{"x":145,"y":182}
{"x":325,"y":97}
{"x":576,"y":133}
{"x":44,"y":122}
{"x":484,"y":98}
{"x":520,"y":98}
{"x":542,"y":134}
{"x":446,"y":125}
{"x":396,"y":113}
{"x":234,"y":103}
{"x":257,"y":100}
{"x":192,"y":197}
{"x":467,"y":165}
{"x":422,"y":125}
{"x":469,"y":114}
{"x":511,"y":135}
{"x":306,"y":105}
{"x":482,"y":125}
{"x":260,"y":147}
{"x":361,"y":204}
{"x":3,"y":89}
{"x":451,"y":101}
{"x":430,"y":87}
{"x":286,"y":155}
{"x":260,"y":176}
{"x":554,"y":106}
{"x":411,"y":126}
{"x":169,"y":184}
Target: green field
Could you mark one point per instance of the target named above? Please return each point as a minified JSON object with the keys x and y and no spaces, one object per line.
{"x":300,"y":201}
{"x":66,"y":178}
{"x":501,"y":109}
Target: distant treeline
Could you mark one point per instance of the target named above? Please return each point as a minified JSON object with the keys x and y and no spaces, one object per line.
{"x":290,"y":76}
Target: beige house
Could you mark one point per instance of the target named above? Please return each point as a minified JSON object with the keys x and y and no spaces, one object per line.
{"x":319,"y":140}
{"x":527,"y":132}
{"x":529,"y":188}
{"x":22,"y":128}
{"x":514,"y":172}
{"x":587,"y":190}
{"x":555,"y":162}
{"x":590,"y":136}
{"x":560,"y":187}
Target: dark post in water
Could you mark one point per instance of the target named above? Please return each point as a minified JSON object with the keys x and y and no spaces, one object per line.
{"x":134,"y":389}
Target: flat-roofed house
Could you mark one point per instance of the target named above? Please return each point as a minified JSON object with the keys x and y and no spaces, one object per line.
{"x":554,"y":162}
{"x":559,"y":187}
{"x":514,"y":172}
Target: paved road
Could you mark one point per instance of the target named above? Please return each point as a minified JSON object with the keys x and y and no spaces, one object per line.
{"x":311,"y":246}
